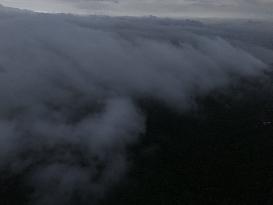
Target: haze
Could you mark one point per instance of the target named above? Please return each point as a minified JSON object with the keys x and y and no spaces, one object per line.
{"x":171,"y":8}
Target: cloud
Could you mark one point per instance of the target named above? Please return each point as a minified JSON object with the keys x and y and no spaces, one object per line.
{"x":70,"y":87}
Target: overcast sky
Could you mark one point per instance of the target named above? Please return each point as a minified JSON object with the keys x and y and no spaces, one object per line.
{"x":172,"y":8}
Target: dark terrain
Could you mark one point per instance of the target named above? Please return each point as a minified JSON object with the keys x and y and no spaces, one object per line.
{"x":220,"y":152}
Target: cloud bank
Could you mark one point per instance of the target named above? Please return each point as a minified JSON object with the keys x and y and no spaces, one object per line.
{"x":70,"y":87}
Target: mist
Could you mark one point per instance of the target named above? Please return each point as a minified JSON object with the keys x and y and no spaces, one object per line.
{"x":71,"y":89}
{"x":256,"y":9}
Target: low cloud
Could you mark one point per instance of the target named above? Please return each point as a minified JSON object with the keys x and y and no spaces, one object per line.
{"x":70,"y":87}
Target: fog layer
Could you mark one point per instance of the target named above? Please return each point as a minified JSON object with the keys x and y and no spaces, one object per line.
{"x":70,"y":89}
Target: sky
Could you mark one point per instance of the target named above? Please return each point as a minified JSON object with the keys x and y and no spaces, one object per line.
{"x":170,"y":8}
